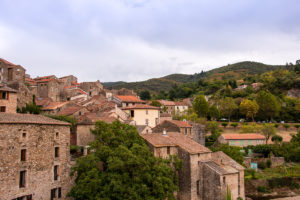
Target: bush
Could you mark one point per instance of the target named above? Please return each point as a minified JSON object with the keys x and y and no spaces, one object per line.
{"x":250,"y":128}
{"x":264,"y":149}
{"x":297,"y":126}
{"x":224,"y":124}
{"x":262,"y":165}
{"x":276,"y":125}
{"x":261,"y":189}
{"x":234,"y":125}
{"x":74,"y":149}
{"x":276,"y":138}
{"x":286,"y":126}
{"x":269,"y":163}
{"x":213,"y":127}
{"x":283,"y":182}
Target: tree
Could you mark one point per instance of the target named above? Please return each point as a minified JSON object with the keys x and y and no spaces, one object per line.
{"x":200,"y":106}
{"x":145,"y":95}
{"x":121,"y":166}
{"x":213,"y":112}
{"x":234,"y":125}
{"x":268,"y":105}
{"x":249,"y":108}
{"x":286,"y":126}
{"x":227,"y":107}
{"x":155,"y":103}
{"x":231,"y":151}
{"x":276,"y":138}
{"x":224,"y":124}
{"x":268,"y":130}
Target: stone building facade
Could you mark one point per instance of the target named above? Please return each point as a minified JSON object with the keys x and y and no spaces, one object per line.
{"x":68,"y":80}
{"x":127,"y":100}
{"x":10,"y":72}
{"x":241,"y":140}
{"x":34,"y":157}
{"x":204,"y":175}
{"x":48,"y":87}
{"x":92,"y":88}
{"x":8,"y":99}
{"x":174,"y":126}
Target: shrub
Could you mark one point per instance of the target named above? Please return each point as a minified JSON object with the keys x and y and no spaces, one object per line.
{"x":224,"y":124}
{"x":250,"y":128}
{"x":239,"y":198}
{"x":262,"y":165}
{"x":297,"y":126}
{"x":261,"y":189}
{"x":234,"y":125}
{"x":269,"y":163}
{"x":276,"y":125}
{"x":277,"y":138}
{"x":264,"y":149}
{"x":74,"y":149}
{"x":286,"y":126}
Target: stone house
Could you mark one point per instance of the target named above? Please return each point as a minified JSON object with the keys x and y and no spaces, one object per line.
{"x":75,"y":111}
{"x":92,"y":88}
{"x":54,"y":108}
{"x":68,"y":80}
{"x":48,"y":87}
{"x":125,"y":101}
{"x":143,"y":114}
{"x":8,"y":99}
{"x":181,"y":107}
{"x":34,"y":157}
{"x":242,"y":140}
{"x":165,"y":116}
{"x":143,"y":129}
{"x":204,"y":175}
{"x":10,"y":73}
{"x":168,"y":105}
{"x":174,"y":126}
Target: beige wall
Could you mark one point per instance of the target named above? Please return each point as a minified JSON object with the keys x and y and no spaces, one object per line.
{"x":39,"y":142}
{"x":140,"y":116}
{"x":10,"y":103}
{"x":84,"y":135}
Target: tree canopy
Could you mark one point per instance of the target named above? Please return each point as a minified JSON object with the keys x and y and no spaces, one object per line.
{"x":200,"y":106}
{"x":121,"y":166}
{"x":227,"y":107}
{"x":249,"y":108}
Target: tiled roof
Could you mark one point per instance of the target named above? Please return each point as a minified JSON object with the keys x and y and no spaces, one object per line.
{"x":7,"y":89}
{"x":175,"y":139}
{"x":216,"y":167}
{"x":70,"y":110}
{"x":243,"y":136}
{"x":11,"y":118}
{"x":141,"y":106}
{"x":43,"y":101}
{"x":129,"y":99}
{"x":180,"y":103}
{"x":30,"y":81}
{"x":165,"y":115}
{"x":167,"y":103}
{"x":6,"y":62}
{"x":54,"y":105}
{"x":180,"y":124}
{"x":91,"y":118}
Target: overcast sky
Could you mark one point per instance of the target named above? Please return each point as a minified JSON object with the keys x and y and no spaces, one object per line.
{"x":133,"y":40}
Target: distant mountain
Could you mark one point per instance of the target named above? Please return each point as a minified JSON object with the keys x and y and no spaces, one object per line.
{"x":232,"y":71}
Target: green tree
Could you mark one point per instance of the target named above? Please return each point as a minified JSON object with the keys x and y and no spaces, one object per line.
{"x":249,"y":108}
{"x":268,"y":105}
{"x":121,"y":166}
{"x":200,"y":106}
{"x":227,"y":107}
{"x":231,"y":151}
{"x":145,"y":95}
{"x":268,"y":130}
{"x":213,"y":112}
{"x":155,"y":103}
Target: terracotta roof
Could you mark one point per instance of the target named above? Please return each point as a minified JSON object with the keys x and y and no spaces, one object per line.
{"x":167,"y":103}
{"x":165,"y":115}
{"x":43,"y":101}
{"x":91,"y":118}
{"x":130,"y":99}
{"x":30,"y":81}
{"x":6,"y":62}
{"x":11,"y":118}
{"x":243,"y":136}
{"x":181,"y":124}
{"x":175,"y":139}
{"x":70,"y":110}
{"x":7,"y":89}
{"x":44,"y":80}
{"x":54,"y":105}
{"x":180,"y":103}
{"x":141,"y":106}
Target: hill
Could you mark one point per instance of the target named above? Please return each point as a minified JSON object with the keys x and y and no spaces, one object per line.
{"x":232,"y":71}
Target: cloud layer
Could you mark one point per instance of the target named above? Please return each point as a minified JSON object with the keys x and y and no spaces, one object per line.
{"x":133,"y":40}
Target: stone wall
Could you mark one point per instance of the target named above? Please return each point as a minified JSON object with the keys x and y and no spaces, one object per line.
{"x":198,"y":133}
{"x":10,"y":103}
{"x":211,"y":184}
{"x":84,"y":135}
{"x":40,"y":142}
{"x":276,"y":161}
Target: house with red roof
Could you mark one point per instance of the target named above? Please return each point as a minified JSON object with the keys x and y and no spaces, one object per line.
{"x":242,"y":140}
{"x":11,"y":73}
{"x":173,"y":126}
{"x":48,"y":87}
{"x":127,"y":100}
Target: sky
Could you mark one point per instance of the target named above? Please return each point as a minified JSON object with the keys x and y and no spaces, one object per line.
{"x":134,"y":40}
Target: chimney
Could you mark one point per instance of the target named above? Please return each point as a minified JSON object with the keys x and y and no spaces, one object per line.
{"x":164,"y":132}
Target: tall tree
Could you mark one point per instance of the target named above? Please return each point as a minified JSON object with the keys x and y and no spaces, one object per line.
{"x":249,"y":108}
{"x":268,"y":130}
{"x":268,"y":105}
{"x":121,"y":166}
{"x":200,"y":106}
{"x":145,"y":95}
{"x":227,"y":107}
{"x":213,"y":112}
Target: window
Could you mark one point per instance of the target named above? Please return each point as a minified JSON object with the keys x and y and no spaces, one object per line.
{"x":241,"y":142}
{"x":146,"y":112}
{"x":224,"y":180}
{"x":231,"y":143}
{"x":168,"y":150}
{"x":57,"y":135}
{"x":56,"y":154}
{"x":23,"y":155}
{"x":186,"y":131}
{"x":56,"y":193}
{"x":198,"y":187}
{"x":132,"y":113}
{"x":147,"y":121}
{"x":249,"y":142}
{"x":22,"y":181}
{"x":126,"y":104}
{"x":55,"y":172}
{"x":2,"y":109}
{"x":23,"y":135}
{"x":79,"y":113}
{"x":4,"y":95}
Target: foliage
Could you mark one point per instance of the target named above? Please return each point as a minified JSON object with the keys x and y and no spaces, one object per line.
{"x":261,"y":189}
{"x":121,"y":166}
{"x":268,"y":105}
{"x":31,"y":108}
{"x":276,"y":125}
{"x":224,"y":124}
{"x":214,"y":112}
{"x":228,"y":194}
{"x":145,"y":95}
{"x":249,"y":108}
{"x":234,"y":125}
{"x":155,"y":103}
{"x":252,"y":128}
{"x":283,"y":182}
{"x":200,"y":106}
{"x":262,"y":165}
{"x":286,"y":126}
{"x":269,"y":163}
{"x":69,"y":119}
{"x":297,"y":126}
{"x":262,"y":148}
{"x":213,"y":127}
{"x":268,"y":130}
{"x":276,"y":138}
{"x":74,"y":149}
{"x":232,"y":151}
{"x":227,"y":107}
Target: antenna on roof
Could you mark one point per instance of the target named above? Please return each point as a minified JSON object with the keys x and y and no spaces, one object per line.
{"x":164,"y":132}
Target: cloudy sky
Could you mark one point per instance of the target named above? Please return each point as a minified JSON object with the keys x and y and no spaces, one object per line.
{"x":133,"y":40}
